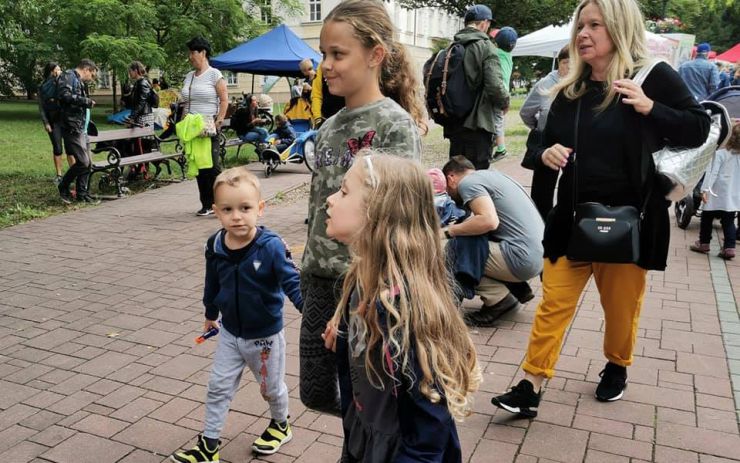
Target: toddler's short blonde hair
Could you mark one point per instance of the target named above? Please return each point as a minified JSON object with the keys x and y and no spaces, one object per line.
{"x":234,"y":177}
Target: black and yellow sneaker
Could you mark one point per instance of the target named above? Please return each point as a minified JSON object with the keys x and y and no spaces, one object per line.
{"x":198,"y":454}
{"x":273,"y":438}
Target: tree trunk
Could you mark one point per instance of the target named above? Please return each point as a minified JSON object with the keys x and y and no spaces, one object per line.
{"x":115,"y":95}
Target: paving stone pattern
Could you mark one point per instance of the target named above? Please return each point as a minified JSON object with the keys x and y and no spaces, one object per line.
{"x":99,"y":308}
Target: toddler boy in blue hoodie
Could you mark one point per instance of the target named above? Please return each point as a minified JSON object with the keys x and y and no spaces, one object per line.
{"x":248,"y":273}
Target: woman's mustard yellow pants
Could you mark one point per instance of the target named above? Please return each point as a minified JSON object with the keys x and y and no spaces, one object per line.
{"x":621,"y":289}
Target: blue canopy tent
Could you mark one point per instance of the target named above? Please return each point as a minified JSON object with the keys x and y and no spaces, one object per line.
{"x":274,"y":53}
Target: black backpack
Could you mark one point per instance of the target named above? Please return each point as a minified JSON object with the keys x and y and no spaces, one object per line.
{"x":240,"y":121}
{"x":153,"y":98}
{"x":447,"y":93}
{"x":49,"y":95}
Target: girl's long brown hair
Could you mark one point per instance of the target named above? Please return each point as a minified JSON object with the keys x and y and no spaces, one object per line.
{"x":400,"y":249}
{"x":397,"y":78}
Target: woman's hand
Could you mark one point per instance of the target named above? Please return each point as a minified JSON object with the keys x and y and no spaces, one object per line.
{"x":632,"y":94}
{"x":330,"y":336}
{"x":219,"y":123}
{"x":704,"y":196}
{"x":556,"y":156}
{"x":48,"y":128}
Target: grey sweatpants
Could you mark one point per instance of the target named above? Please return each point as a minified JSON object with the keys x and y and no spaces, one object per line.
{"x":265,"y":357}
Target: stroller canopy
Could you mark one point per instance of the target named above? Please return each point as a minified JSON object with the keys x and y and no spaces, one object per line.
{"x":729,"y":97}
{"x":275,"y":53}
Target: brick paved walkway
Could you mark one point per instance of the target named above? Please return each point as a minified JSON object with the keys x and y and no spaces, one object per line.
{"x":98,"y":364}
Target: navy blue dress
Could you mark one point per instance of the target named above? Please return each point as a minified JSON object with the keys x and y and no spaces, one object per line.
{"x":395,"y":423}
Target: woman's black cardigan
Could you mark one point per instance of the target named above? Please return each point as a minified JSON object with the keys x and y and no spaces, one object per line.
{"x":675,"y":120}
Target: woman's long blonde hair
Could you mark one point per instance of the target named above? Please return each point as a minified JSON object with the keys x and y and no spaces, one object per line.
{"x":400,"y":249}
{"x":397,"y":78}
{"x":626,"y":26}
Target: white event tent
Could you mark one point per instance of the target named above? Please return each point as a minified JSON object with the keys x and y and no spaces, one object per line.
{"x":549,"y":40}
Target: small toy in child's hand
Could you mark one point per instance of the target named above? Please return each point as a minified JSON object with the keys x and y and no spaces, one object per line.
{"x":208,"y":334}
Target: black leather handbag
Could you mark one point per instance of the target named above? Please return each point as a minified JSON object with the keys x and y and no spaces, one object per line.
{"x":600,"y":233}
{"x":605,"y":234}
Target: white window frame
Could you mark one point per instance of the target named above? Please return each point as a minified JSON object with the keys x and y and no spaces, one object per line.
{"x":314,"y":10}
{"x":266,"y":13}
{"x":232,"y":78}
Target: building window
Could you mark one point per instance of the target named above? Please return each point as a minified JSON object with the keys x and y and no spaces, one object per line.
{"x":231,"y":78}
{"x":103,"y":80}
{"x":314,"y":10}
{"x":266,"y":11}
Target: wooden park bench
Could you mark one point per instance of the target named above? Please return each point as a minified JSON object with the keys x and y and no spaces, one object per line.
{"x":229,"y":141}
{"x":114,"y":162}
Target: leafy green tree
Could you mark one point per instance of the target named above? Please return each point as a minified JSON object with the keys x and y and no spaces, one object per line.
{"x":114,"y":32}
{"x":26,"y":43}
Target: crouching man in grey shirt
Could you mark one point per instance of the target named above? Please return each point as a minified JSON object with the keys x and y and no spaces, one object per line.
{"x":502,"y":210}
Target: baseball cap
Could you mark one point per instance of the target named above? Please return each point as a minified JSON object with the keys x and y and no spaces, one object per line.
{"x":703,"y":48}
{"x":478,"y":13}
{"x":506,"y":38}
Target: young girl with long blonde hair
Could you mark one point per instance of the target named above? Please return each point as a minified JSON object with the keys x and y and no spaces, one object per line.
{"x":370,"y":69}
{"x":407,"y":365}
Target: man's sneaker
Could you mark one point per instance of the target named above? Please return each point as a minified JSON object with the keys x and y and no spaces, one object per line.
{"x":88,"y":199}
{"x":488,"y":314}
{"x":198,"y":454}
{"x":57,"y":180}
{"x":521,"y":290}
{"x":613,"y":383}
{"x":273,"y":438}
{"x":700,"y":247}
{"x":521,"y":400}
{"x":65,"y":196}
{"x":499,"y":155}
{"x":204,"y":212}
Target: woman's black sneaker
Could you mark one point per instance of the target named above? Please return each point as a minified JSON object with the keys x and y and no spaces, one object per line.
{"x":521,"y":400}
{"x":613,"y":383}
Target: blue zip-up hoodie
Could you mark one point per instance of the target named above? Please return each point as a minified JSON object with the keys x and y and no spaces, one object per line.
{"x":250,"y":293}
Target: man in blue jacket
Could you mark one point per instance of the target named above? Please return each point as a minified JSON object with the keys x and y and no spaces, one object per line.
{"x":700,"y":76}
{"x":75,"y":115}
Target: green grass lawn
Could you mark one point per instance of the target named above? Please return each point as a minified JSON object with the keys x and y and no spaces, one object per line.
{"x":27,"y":170}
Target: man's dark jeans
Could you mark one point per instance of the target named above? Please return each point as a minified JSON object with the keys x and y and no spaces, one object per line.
{"x":75,"y":144}
{"x":475,"y":145}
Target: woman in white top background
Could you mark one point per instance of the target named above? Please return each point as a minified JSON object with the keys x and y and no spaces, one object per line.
{"x":204,"y":92}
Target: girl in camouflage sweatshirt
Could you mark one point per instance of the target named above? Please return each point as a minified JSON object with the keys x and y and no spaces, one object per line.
{"x":366,"y":65}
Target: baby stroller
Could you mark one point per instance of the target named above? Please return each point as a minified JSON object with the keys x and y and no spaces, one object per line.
{"x":690,"y":205}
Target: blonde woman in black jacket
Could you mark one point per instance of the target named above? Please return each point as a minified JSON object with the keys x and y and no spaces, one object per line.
{"x":620,"y":125}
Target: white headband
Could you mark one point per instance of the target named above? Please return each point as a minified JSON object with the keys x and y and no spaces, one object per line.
{"x":374,"y":181}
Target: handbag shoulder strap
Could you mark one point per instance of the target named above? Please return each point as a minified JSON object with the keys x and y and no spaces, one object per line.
{"x":575,"y":155}
{"x":645,"y":71}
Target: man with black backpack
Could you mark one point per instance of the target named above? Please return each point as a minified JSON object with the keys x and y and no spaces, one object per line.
{"x":75,"y":114}
{"x":464,"y":107}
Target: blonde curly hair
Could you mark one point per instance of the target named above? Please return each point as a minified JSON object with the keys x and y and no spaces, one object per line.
{"x":398,"y":261}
